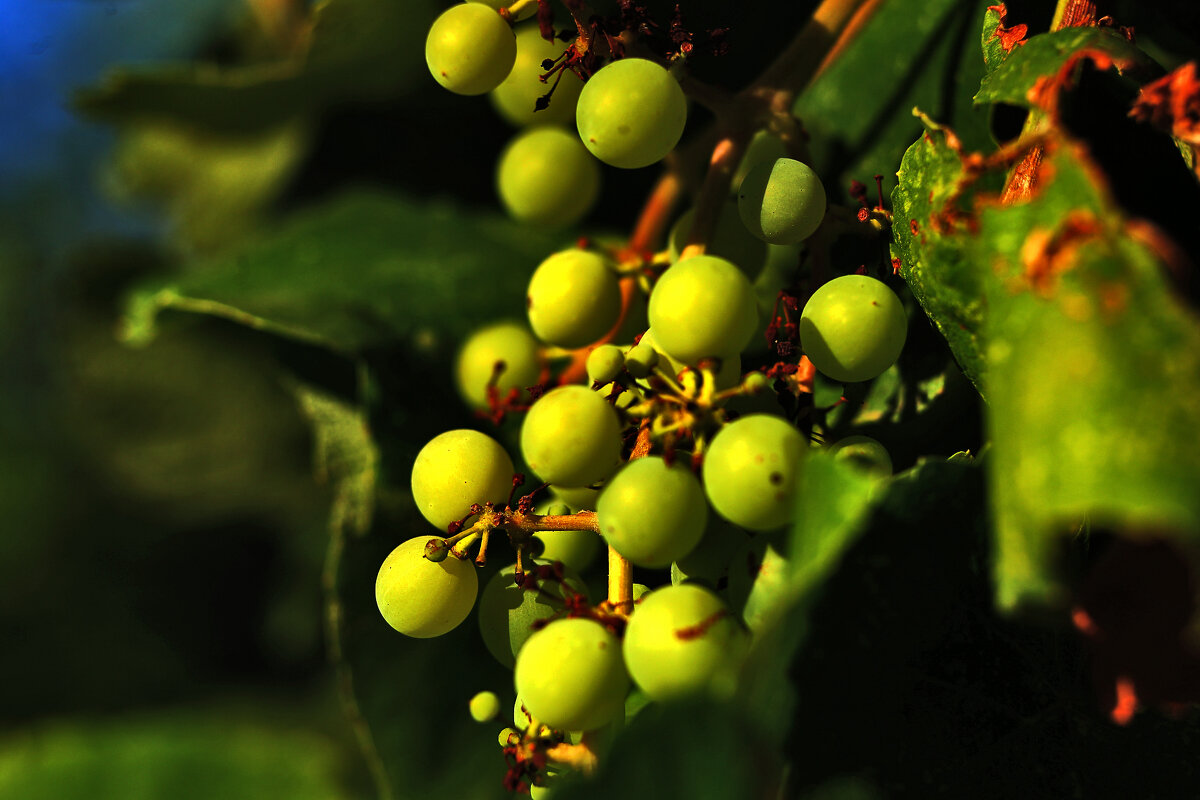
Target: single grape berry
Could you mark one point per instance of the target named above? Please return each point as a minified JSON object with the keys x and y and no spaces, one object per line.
{"x":421,"y":598}
{"x":652,"y":513}
{"x":516,"y":98}
{"x":470,"y":49}
{"x":571,"y":676}
{"x":484,"y":706}
{"x":571,"y":437}
{"x":507,"y":612}
{"x":547,"y":177}
{"x":728,"y":370}
{"x":853,"y":328}
{"x":751,"y":469}
{"x":507,"y":342}
{"x":782,"y":202}
{"x":729,"y":240}
{"x":574,"y":298}
{"x":456,"y":470}
{"x":605,"y":363}
{"x":863,"y":453}
{"x":709,"y":562}
{"x":702,"y":307}
{"x":641,"y":359}
{"x":631,"y":113}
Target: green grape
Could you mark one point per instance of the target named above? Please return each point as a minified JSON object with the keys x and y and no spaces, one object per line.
{"x":456,"y":470}
{"x":484,"y":706}
{"x":652,"y":513}
{"x":581,"y":498}
{"x":682,"y":640}
{"x":729,"y":240}
{"x":571,"y":677}
{"x":641,"y":359}
{"x":507,"y":612}
{"x":571,"y":437}
{"x":709,"y":562}
{"x":575,"y":549}
{"x":605,"y":363}
{"x":751,"y":471}
{"x":525,"y":13}
{"x":864,"y":453}
{"x":516,"y":98}
{"x":782,"y":202}
{"x":510,"y":342}
{"x":631,"y":113}
{"x":758,"y":578}
{"x":470,"y":49}
{"x":574,"y":298}
{"x":764,"y":146}
{"x":702,"y":307}
{"x":546,"y":177}
{"x":508,"y":736}
{"x":853,"y":328}
{"x":728,"y":373}
{"x":421,"y":598}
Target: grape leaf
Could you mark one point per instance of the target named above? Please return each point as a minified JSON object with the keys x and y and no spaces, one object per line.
{"x":992,"y":43}
{"x":362,"y":270}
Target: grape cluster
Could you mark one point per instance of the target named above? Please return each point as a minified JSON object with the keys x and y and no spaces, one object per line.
{"x":642,"y":430}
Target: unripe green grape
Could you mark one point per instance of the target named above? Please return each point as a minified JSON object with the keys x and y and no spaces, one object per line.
{"x":470,"y":49}
{"x":510,"y":342}
{"x":507,"y":612}
{"x":641,"y":359}
{"x":484,"y":706}
{"x":764,"y":147}
{"x":574,"y":298}
{"x":652,"y":513}
{"x":581,"y":498}
{"x":516,"y":98}
{"x":456,"y":470}
{"x":631,"y":113}
{"x":571,"y":676}
{"x":546,"y":177}
{"x":757,"y":579}
{"x":853,"y":328}
{"x":782,"y":202}
{"x":727,"y":375}
{"x":702,"y":307}
{"x":751,"y":471}
{"x":421,"y":598}
{"x":682,"y":640}
{"x":575,"y":549}
{"x":571,"y":437}
{"x":605,"y":363}
{"x":709,"y":562}
{"x":863,"y":453}
{"x":729,"y":240}
{"x":508,"y":736}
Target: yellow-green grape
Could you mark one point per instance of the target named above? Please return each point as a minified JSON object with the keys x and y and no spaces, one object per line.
{"x":525,"y":13}
{"x":652,"y":513}
{"x":682,"y":640}
{"x":764,"y":146}
{"x":546,"y":177}
{"x":574,"y":298}
{"x":508,"y":737}
{"x":456,"y":470}
{"x":782,"y":202}
{"x":422,"y":598}
{"x":702,"y":307}
{"x":709,"y":562}
{"x":863,"y":453}
{"x":470,"y":49}
{"x":729,"y":240}
{"x":571,"y":437}
{"x":484,"y":706}
{"x":575,"y":549}
{"x":727,"y":375}
{"x":757,"y":579}
{"x":570,"y":675}
{"x":631,"y":113}
{"x":641,"y":359}
{"x":582,"y":498}
{"x":605,"y":363}
{"x":516,"y":98}
{"x":508,"y":612}
{"x":853,"y":328}
{"x":751,"y":471}
{"x":509,"y":342}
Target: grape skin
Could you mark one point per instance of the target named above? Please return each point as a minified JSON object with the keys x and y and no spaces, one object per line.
{"x":605,"y":363}
{"x":546,"y":177}
{"x":853,"y":328}
{"x":702,"y":307}
{"x":421,"y":598}
{"x":507,"y":612}
{"x":729,"y":240}
{"x":517,"y":96}
{"x":631,"y":113}
{"x":751,"y":469}
{"x":510,"y":342}
{"x":574,"y":298}
{"x":456,"y":470}
{"x":651,"y":513}
{"x":782,"y":202}
{"x":484,"y":706}
{"x":571,"y":437}
{"x":470,"y":49}
{"x":863,"y":453}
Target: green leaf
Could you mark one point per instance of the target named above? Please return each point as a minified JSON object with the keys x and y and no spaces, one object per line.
{"x":993,"y":51}
{"x":362,"y":270}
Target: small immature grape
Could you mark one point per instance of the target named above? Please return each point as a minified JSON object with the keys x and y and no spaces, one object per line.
{"x":421,"y":598}
{"x":782,"y":202}
{"x":863,"y":453}
{"x":751,"y":469}
{"x":470,"y":49}
{"x":641,"y":359}
{"x":484,"y":706}
{"x":507,"y":612}
{"x":729,"y":240}
{"x":853,"y":328}
{"x":651,"y":513}
{"x":605,"y":363}
{"x":571,"y":437}
{"x":509,"y":342}
{"x":571,"y":676}
{"x":456,"y":470}
{"x":702,"y":307}
{"x":546,"y":177}
{"x":727,"y":375}
{"x":575,"y":549}
{"x":683,"y":640}
{"x":631,"y":113}
{"x":516,"y":98}
{"x":764,"y":146}
{"x":574,"y":298}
